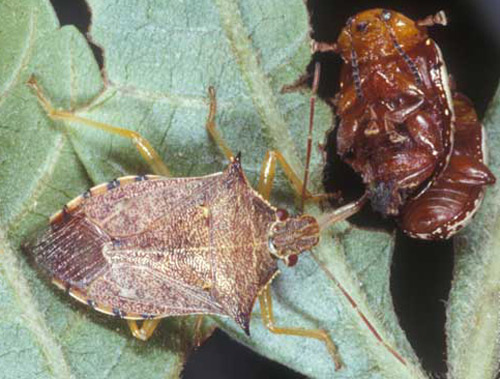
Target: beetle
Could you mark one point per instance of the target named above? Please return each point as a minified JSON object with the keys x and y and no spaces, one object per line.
{"x":142,"y":248}
{"x":416,"y":143}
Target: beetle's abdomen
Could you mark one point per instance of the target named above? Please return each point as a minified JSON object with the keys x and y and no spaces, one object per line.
{"x":452,"y":201}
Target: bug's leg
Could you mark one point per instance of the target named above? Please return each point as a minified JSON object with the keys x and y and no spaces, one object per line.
{"x":266,"y":306}
{"x":269,"y":167}
{"x":268,"y":172}
{"x":143,"y":146}
{"x":145,"y":331}
{"x":197,"y":330}
{"x":212,"y":127}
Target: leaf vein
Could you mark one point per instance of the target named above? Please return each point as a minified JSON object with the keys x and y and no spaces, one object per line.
{"x":38,"y":184}
{"x":116,"y":360}
{"x":16,"y":73}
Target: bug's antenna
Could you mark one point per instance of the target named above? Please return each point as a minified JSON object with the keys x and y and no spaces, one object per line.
{"x":353,"y":303}
{"x":312,"y":102}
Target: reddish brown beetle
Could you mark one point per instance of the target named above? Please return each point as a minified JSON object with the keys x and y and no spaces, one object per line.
{"x":149,"y":247}
{"x":418,"y":147}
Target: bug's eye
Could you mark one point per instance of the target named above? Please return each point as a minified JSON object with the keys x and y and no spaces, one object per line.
{"x":282,"y":214}
{"x":292,"y":260}
{"x":362,"y":26}
{"x":386,"y":15}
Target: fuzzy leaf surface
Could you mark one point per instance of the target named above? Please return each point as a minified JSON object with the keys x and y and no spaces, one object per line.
{"x":159,"y":59}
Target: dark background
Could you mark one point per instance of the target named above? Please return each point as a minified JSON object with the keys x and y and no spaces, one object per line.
{"x":422,"y":271}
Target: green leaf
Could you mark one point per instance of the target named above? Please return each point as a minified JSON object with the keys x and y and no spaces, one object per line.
{"x":473,"y":312}
{"x":159,"y":60}
{"x":40,"y":172}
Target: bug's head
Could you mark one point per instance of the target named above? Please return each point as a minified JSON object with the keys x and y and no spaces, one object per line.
{"x":375,"y":34}
{"x":290,"y":236}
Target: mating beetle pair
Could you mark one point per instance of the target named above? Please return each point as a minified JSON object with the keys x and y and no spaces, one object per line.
{"x":415,"y":141}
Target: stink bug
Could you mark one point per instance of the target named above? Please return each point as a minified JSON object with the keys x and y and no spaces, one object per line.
{"x":417,"y":145}
{"x":149,"y":247}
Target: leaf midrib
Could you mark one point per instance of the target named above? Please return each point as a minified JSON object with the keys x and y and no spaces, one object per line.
{"x":261,"y":93}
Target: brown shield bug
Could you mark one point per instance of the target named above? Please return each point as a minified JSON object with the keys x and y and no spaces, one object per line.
{"x":149,"y":247}
{"x":417,"y":144}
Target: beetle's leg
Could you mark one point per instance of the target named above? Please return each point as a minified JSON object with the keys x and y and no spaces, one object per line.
{"x":414,"y":97}
{"x":400,"y":115}
{"x":145,"y":331}
{"x":266,"y":306}
{"x":212,"y":127}
{"x":143,"y":146}
{"x":268,"y":172}
{"x":434,"y":19}
{"x":324,"y":47}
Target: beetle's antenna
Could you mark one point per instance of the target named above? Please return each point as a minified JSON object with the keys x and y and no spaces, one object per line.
{"x":312,"y":103}
{"x":355,"y":74}
{"x":354,"y":305}
{"x":354,"y":64}
{"x":409,"y":62}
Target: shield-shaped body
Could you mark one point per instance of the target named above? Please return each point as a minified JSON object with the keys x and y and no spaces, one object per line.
{"x":148,"y":246}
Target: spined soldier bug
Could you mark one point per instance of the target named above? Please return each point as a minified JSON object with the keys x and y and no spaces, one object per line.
{"x":142,"y":248}
{"x":416,"y":143}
